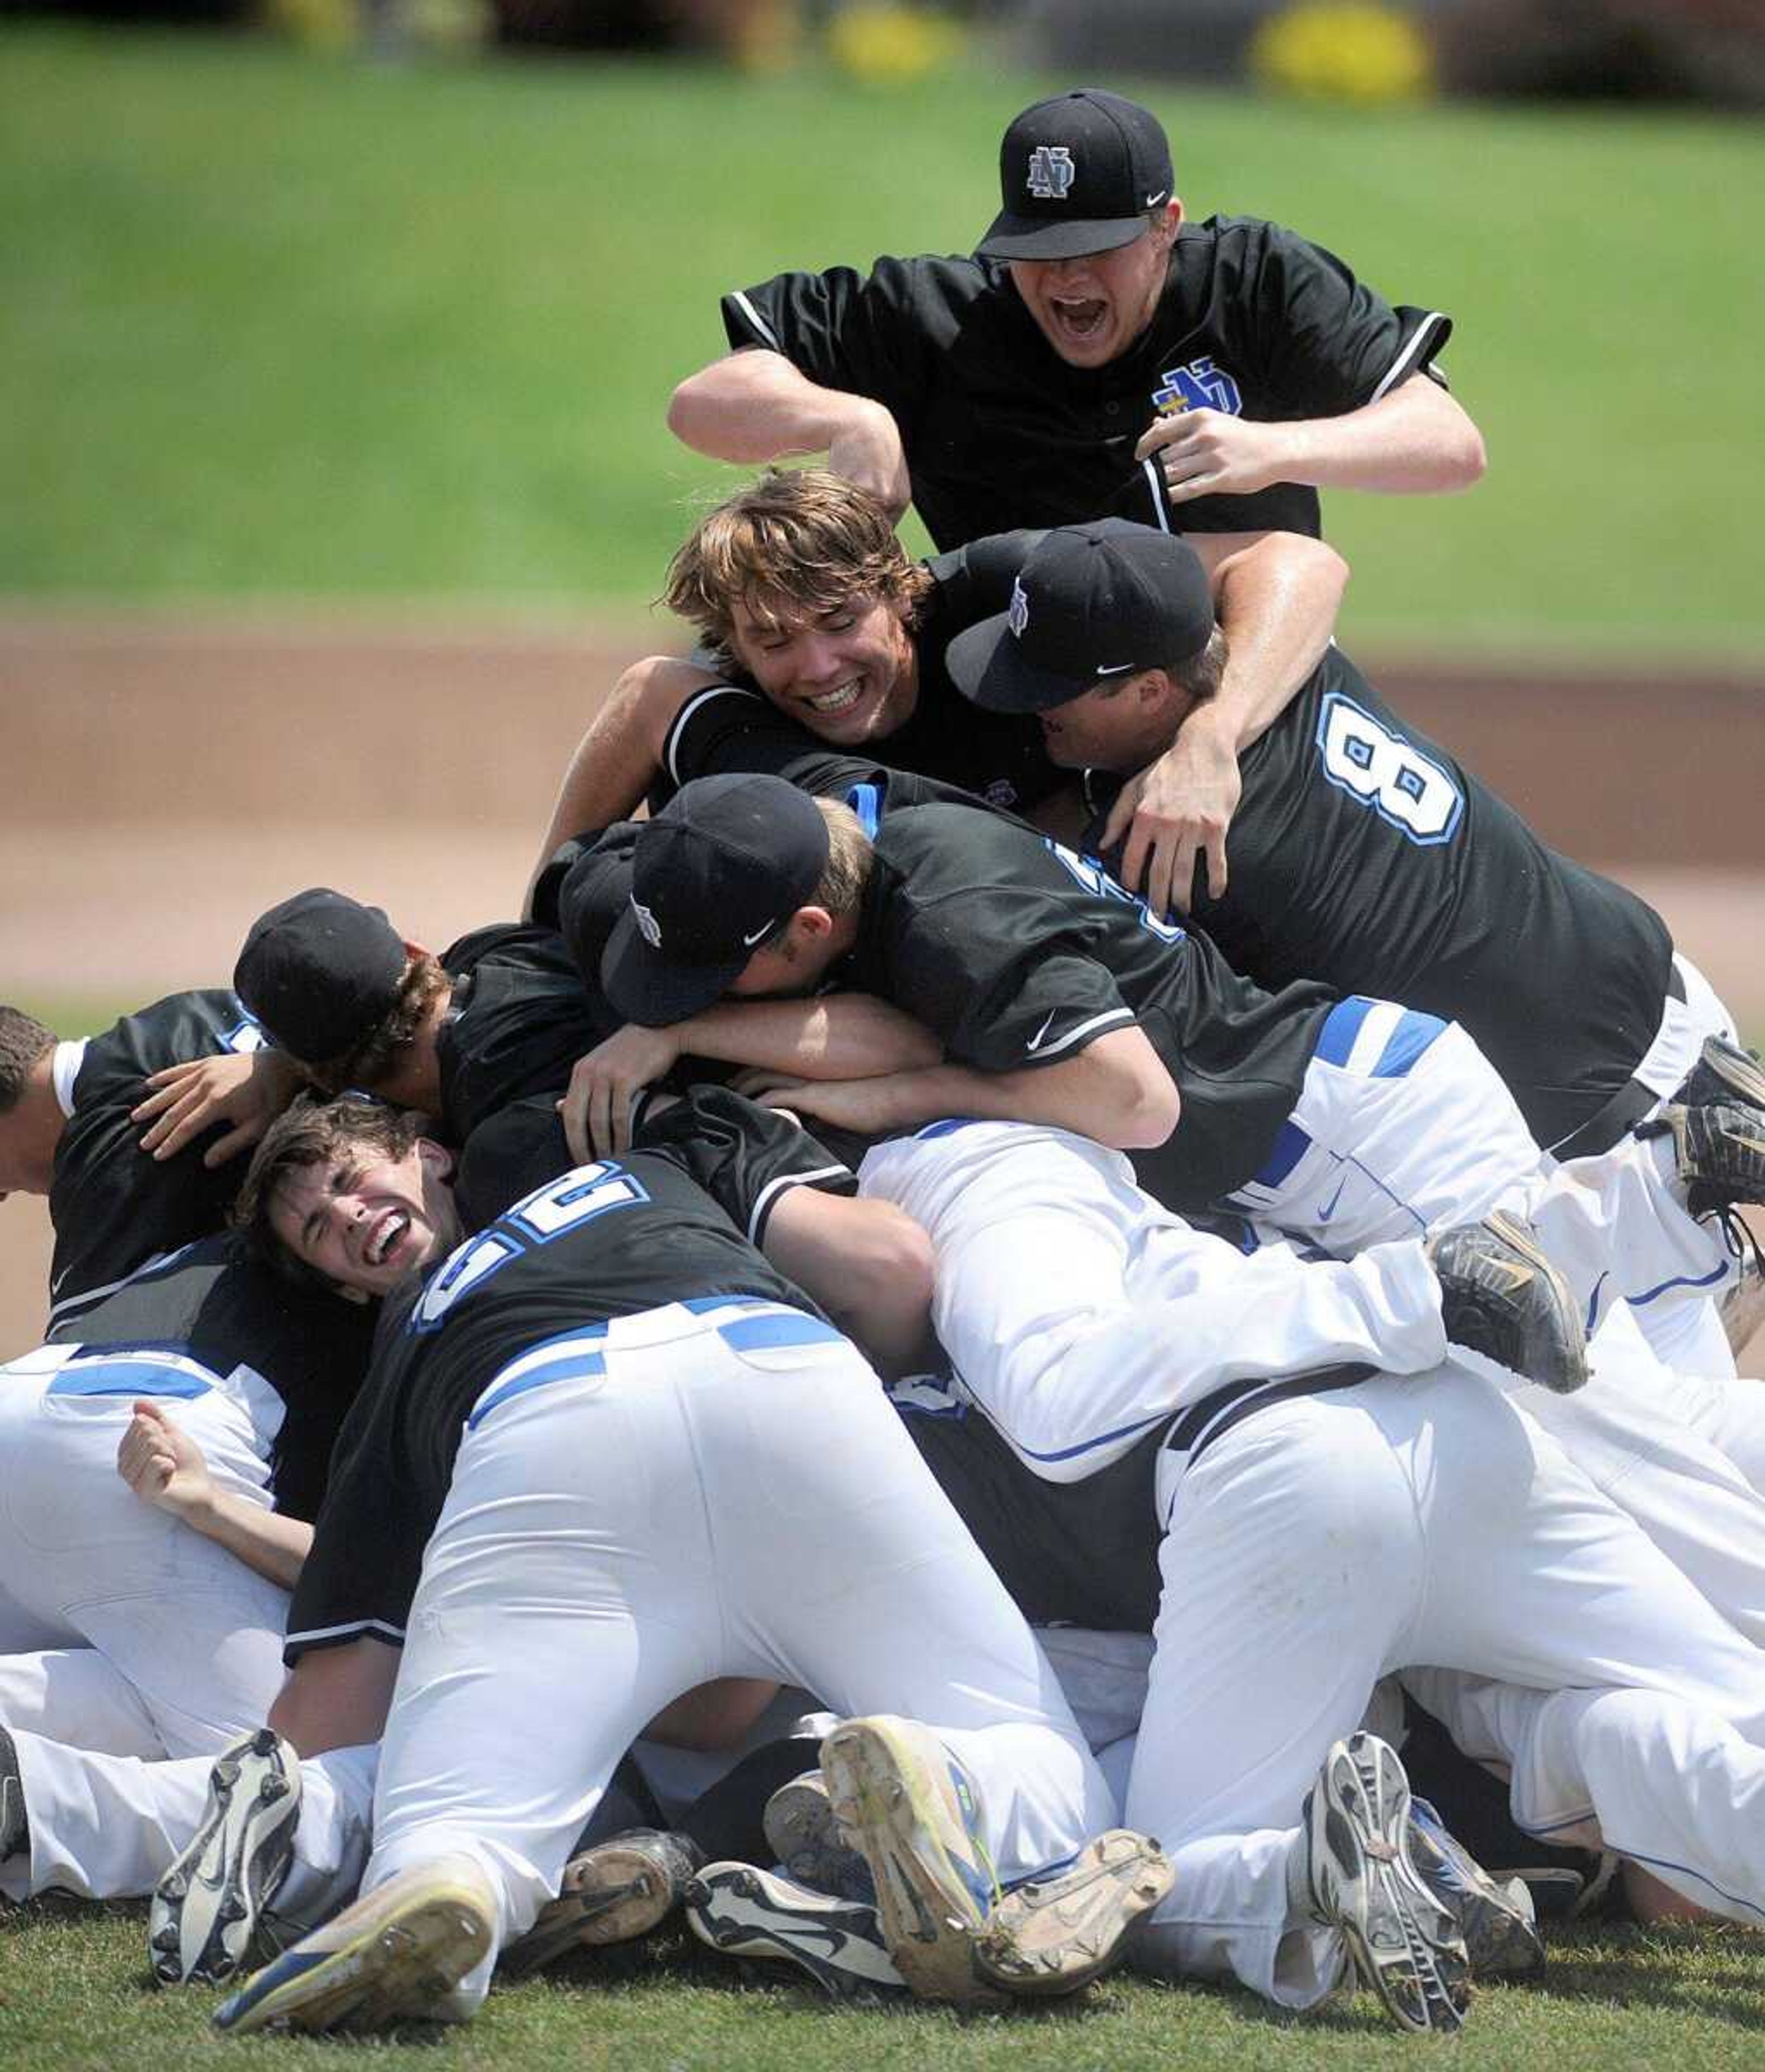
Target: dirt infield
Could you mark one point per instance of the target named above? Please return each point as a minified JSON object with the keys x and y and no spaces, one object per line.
{"x":164,"y":782}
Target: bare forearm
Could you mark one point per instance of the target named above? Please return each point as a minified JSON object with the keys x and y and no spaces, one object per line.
{"x":754,"y":405}
{"x":1416,"y":440}
{"x":272,"y":1545}
{"x":1126,"y":1109}
{"x":337,"y":1697}
{"x":845,"y":1036}
{"x":1277,"y":603}
{"x":871,"y":1271}
{"x":617,"y":759}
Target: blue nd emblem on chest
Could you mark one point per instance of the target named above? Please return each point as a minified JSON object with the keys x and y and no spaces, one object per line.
{"x":1198,"y":386}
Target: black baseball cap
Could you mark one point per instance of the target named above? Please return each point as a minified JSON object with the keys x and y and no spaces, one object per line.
{"x":718,"y":871}
{"x":318,"y":972}
{"x":1077,"y":174}
{"x":1091,"y":603}
{"x":593,"y":895}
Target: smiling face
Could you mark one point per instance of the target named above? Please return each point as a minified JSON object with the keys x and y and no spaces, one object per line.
{"x":363,"y":1222}
{"x":849,"y":675}
{"x":1092,"y":308}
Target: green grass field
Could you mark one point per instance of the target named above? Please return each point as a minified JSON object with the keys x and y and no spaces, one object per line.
{"x":281,"y":325}
{"x":77,"y":1995}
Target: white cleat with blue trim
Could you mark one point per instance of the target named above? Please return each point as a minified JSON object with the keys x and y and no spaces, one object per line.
{"x":913,"y":1813}
{"x":396,"y":1955}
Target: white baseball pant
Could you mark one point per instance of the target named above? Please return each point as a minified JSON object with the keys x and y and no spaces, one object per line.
{"x":689,"y":1496}
{"x":1403,"y":1126}
{"x":1077,"y":1313}
{"x":145,"y":1637}
{"x":1329,"y":1540}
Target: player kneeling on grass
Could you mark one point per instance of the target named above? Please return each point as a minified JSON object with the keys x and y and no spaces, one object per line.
{"x":605,"y":1454}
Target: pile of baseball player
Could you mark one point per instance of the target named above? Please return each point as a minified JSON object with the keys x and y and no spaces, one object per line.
{"x":1076,"y":1238}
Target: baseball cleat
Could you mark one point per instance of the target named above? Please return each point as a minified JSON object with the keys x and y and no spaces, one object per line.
{"x":205,"y":1912}
{"x":613,"y":1892}
{"x":805,"y":1839}
{"x":745,"y":1912}
{"x":913,"y":1811}
{"x":14,"y":1823}
{"x":1724,"y":1075}
{"x":1364,"y":1883}
{"x":396,"y":1955}
{"x":1057,"y":1932}
{"x":1718,"y":1152}
{"x":1501,"y":1296}
{"x":1498,"y":1921}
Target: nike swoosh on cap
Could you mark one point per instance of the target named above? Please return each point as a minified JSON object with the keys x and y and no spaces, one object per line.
{"x":1112,"y":668}
{"x":1040,"y":1037}
{"x":1152,"y":201}
{"x":749,"y":941}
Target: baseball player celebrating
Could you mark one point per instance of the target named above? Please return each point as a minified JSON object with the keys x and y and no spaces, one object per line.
{"x":1337,"y":1492}
{"x":1092,"y":326}
{"x":1059,"y":999}
{"x":69,"y":1116}
{"x":1365,"y":856}
{"x":801,"y":593}
{"x":555,"y":1463}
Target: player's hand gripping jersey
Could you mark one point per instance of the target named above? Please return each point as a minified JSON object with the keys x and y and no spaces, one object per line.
{"x":112,"y":1205}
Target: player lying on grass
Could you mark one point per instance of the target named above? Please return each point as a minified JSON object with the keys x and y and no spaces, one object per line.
{"x":1060,"y":999}
{"x":565,"y":1416}
{"x":1379,"y":1511}
{"x":813,"y":614}
{"x":1150,"y":1428}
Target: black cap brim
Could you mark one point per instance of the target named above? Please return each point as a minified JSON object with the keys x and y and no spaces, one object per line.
{"x":986,"y":665}
{"x":1036,"y":238}
{"x":645,"y":987}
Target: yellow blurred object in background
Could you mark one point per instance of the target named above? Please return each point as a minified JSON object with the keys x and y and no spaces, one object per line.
{"x":1343,"y":50}
{"x":891,"y":45}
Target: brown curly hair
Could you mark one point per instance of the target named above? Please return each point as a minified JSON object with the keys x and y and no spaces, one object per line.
{"x":794,"y":544}
{"x":313,"y":1133}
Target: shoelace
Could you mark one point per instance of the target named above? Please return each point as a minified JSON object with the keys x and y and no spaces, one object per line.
{"x":1739,"y":1238}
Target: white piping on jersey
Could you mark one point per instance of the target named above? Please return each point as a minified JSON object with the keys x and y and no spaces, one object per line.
{"x":757,"y":320}
{"x":1412,"y":353}
{"x":764,"y":1200}
{"x":1074,"y":1035}
{"x":1155,"y":483}
{"x":686,"y":711}
{"x":69,"y":1057}
{"x":318,"y":1633}
{"x":73,"y":1304}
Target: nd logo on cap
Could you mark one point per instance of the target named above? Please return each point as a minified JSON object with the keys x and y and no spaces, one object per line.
{"x":1051,"y":172}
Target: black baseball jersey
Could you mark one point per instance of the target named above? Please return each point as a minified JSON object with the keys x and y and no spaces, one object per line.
{"x":1018,"y":953}
{"x":609,"y":1239}
{"x":212,"y":1306}
{"x":1000,"y":432}
{"x":520,"y":1018}
{"x":113,"y":1205}
{"x":999,"y":757}
{"x":1364,"y":854}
